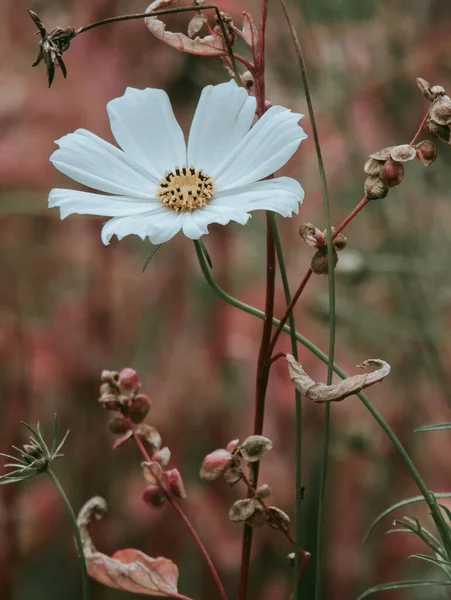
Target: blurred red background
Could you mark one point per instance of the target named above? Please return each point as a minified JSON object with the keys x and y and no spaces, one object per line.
{"x":70,"y":307}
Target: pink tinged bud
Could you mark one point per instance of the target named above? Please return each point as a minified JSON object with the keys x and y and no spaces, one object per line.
{"x":175,"y":483}
{"x":426,"y":152}
{"x":119,"y":426}
{"x":139,"y":408}
{"x":263,"y":492}
{"x":154,"y":496}
{"x":215,"y":463}
{"x":392,"y":173}
{"x":232,"y":445}
{"x":162,"y":456}
{"x":128,"y":380}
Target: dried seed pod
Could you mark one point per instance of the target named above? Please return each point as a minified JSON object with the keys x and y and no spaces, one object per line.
{"x":232,"y":475}
{"x":279,"y":518}
{"x":110,"y":377}
{"x":392,"y":172}
{"x":175,"y":483}
{"x":425,"y":88}
{"x":426,"y":152}
{"x":232,"y":445}
{"x":152,"y":472}
{"x":162,"y":456}
{"x":340,"y":242}
{"x":150,"y":435}
{"x":128,"y":380}
{"x":441,"y":131}
{"x":107,"y":389}
{"x":373,"y":166}
{"x":258,"y":518}
{"x":241,"y":510}
{"x":263,"y":492}
{"x":215,"y":463}
{"x":402,"y":153}
{"x":437,"y":90}
{"x":255,"y":447}
{"x":375,"y":188}
{"x":118,"y":426}
{"x":441,"y":110}
{"x":320,"y":261}
{"x":139,"y":407}
{"x":154,"y":496}
{"x":110,"y":402}
{"x":383,"y":154}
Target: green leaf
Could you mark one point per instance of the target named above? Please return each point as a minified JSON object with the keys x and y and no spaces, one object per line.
{"x":151,"y":255}
{"x":436,"y":427}
{"x":400,"y":585}
{"x":203,"y":247}
{"x":400,"y":505}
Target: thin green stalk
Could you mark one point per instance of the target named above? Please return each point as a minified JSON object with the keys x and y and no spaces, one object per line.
{"x":298,"y":405}
{"x":76,"y":530}
{"x":439,"y":520}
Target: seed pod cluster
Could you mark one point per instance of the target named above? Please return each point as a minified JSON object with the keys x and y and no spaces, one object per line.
{"x":316,"y":238}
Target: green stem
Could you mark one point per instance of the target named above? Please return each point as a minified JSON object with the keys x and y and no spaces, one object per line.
{"x":298,"y":405}
{"x":79,"y":543}
{"x":429,"y":497}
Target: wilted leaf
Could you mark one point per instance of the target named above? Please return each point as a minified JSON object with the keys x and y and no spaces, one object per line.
{"x":129,"y":569}
{"x":210,"y":45}
{"x":320,"y":392}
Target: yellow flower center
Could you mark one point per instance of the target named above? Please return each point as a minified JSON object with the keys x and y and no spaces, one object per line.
{"x":185,"y":189}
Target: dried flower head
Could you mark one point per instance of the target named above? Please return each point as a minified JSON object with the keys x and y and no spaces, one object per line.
{"x":52,"y":46}
{"x":35,"y":456}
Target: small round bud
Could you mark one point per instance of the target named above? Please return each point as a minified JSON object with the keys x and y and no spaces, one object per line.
{"x":375,"y":188}
{"x":154,"y":496}
{"x":215,"y":463}
{"x":175,"y":483}
{"x":128,"y":380}
{"x":32,"y":450}
{"x":139,"y":407}
{"x":340,"y":242}
{"x":426,"y":152}
{"x":320,"y":262}
{"x":248,"y":80}
{"x":392,"y":173}
{"x":263,"y":492}
{"x":438,"y":90}
{"x":119,"y":425}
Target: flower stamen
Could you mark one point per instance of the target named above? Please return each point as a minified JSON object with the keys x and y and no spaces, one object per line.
{"x":185,"y":189}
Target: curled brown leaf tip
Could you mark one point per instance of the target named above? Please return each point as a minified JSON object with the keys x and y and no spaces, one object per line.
{"x":128,"y":569}
{"x":209,"y":45}
{"x":320,"y":392}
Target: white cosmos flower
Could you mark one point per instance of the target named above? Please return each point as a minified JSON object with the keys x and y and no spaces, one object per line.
{"x":156,"y":185}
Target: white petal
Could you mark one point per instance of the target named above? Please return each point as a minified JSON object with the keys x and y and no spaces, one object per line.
{"x":223,"y":117}
{"x":196,"y":224}
{"x":281,"y":195}
{"x":144,"y":126}
{"x":268,"y":146}
{"x":88,"y":159}
{"x":159,"y":226}
{"x":84,"y":203}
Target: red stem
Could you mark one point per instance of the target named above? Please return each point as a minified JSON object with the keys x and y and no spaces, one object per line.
{"x":189,"y":527}
{"x":420,"y":129}
{"x":305,"y":559}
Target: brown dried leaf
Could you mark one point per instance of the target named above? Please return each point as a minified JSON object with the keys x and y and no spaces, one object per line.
{"x":129,"y":569}
{"x":210,"y":45}
{"x":320,"y":392}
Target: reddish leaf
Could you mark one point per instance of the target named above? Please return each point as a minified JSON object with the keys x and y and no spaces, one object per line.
{"x":129,"y":569}
{"x":122,"y":439}
{"x":210,"y":45}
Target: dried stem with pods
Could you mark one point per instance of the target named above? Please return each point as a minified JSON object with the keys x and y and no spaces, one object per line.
{"x":183,"y":189}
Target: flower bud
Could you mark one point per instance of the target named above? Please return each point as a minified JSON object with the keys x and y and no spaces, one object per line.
{"x":392,"y":173}
{"x":215,"y":463}
{"x":426,"y":152}
{"x":175,"y":483}
{"x":119,"y":425}
{"x":263,"y":492}
{"x":437,"y":90}
{"x":255,"y":447}
{"x":154,"y":496}
{"x":340,"y":242}
{"x":139,"y":407}
{"x":375,"y":188}
{"x":128,"y":380}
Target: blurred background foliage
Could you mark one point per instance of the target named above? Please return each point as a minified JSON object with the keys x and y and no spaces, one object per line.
{"x":70,"y":307}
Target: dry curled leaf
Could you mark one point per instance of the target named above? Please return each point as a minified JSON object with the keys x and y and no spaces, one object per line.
{"x":209,"y":45}
{"x":129,"y":569}
{"x":250,"y":33}
{"x":320,"y":392}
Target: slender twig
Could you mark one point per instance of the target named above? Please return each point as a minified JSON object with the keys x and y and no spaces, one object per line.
{"x":429,"y":497}
{"x":187,"y":524}
{"x":169,"y":11}
{"x":76,"y":530}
